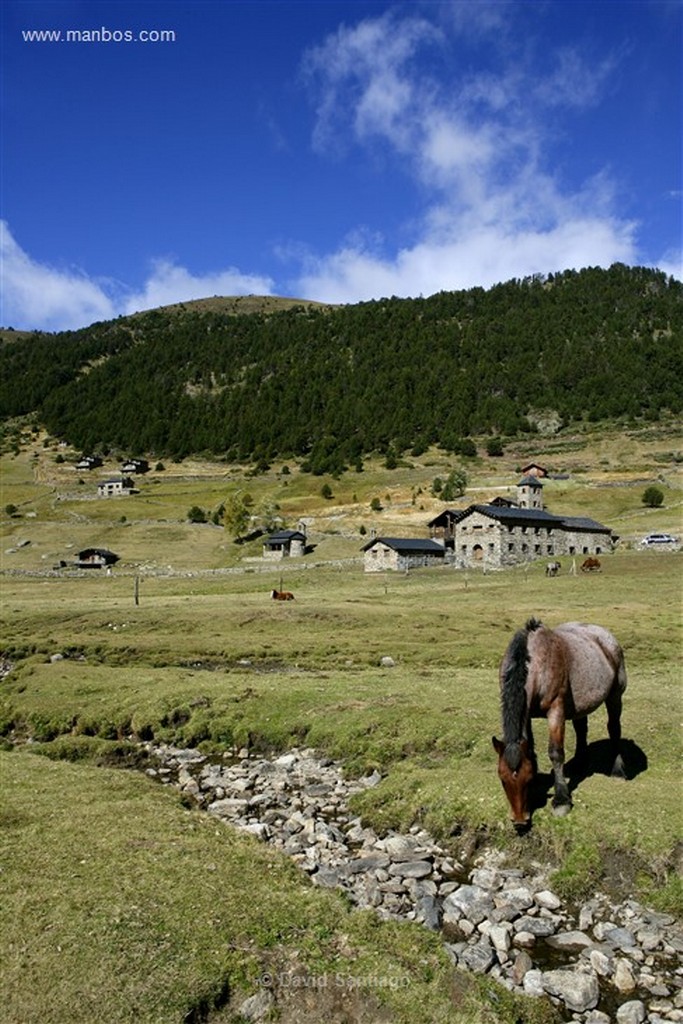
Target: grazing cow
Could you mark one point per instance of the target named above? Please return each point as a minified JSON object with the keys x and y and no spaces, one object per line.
{"x":281,"y":595}
{"x":591,"y":565}
{"x":552,"y":568}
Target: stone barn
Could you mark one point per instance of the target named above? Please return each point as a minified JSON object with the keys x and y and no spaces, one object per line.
{"x":400,"y":554}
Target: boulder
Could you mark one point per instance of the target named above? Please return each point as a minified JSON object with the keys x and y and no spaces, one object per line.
{"x":578,"y":990}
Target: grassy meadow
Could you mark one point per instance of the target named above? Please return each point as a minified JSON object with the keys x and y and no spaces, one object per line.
{"x":120,"y":904}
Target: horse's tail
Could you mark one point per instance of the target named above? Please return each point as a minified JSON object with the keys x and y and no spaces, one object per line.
{"x":513,"y":686}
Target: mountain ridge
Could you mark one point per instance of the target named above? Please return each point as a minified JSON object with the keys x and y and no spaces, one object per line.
{"x":251,"y":377}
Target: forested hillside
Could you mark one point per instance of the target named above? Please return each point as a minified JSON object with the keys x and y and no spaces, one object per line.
{"x":334,"y":383}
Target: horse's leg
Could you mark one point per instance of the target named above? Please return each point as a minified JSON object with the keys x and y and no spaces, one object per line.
{"x":562,"y":802}
{"x":613,"y":703}
{"x":581,"y":730}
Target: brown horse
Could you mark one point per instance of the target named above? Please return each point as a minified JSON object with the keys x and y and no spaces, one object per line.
{"x":591,"y":565}
{"x":559,"y":674}
{"x":281,"y":595}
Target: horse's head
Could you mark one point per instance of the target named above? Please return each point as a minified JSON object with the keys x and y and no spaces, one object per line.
{"x":516,"y":771}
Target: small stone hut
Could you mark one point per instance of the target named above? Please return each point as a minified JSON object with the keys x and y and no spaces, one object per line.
{"x":400,"y":554}
{"x":285,"y":544}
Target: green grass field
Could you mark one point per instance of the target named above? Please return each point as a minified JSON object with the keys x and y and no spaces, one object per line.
{"x":122,"y":905}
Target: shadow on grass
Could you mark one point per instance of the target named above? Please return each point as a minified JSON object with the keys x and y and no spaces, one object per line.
{"x":597,"y":761}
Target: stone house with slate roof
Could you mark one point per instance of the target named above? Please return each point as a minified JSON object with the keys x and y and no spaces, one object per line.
{"x":504,"y":533}
{"x":492,"y":535}
{"x":285,"y":544}
{"x":400,"y":553}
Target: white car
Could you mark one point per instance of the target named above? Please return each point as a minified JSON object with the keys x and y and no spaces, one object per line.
{"x":655,"y":539}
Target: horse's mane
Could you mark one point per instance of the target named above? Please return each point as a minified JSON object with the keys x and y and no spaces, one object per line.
{"x":513,"y":695}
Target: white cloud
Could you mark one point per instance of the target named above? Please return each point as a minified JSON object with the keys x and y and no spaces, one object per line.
{"x":483,"y":255}
{"x":478,"y":147}
{"x":171,"y":283}
{"x":36,"y":296}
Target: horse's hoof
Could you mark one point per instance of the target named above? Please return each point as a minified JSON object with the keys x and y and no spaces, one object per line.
{"x":561,"y":810}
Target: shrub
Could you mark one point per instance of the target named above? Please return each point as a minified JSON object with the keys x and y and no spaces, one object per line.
{"x":196,"y":514}
{"x":653,"y":496}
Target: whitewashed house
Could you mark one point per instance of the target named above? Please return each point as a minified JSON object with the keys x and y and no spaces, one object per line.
{"x":115,"y":488}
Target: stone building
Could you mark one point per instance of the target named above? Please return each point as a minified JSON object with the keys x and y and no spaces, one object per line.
{"x":504,"y":533}
{"x":495,"y":536}
{"x":401,"y":553}
{"x":285,"y":544}
{"x":115,"y":488}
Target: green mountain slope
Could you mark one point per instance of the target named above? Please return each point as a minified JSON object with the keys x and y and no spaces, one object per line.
{"x":333,"y":383}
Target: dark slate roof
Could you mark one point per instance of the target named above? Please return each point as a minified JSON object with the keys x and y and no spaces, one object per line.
{"x":584,"y":523}
{"x":109,"y":556}
{"x":530,"y":481}
{"x":408,"y":544}
{"x":537,"y":517}
{"x":449,"y":515}
{"x":283,"y":536}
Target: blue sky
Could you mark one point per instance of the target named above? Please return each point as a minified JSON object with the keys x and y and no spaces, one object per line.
{"x":330,"y":151}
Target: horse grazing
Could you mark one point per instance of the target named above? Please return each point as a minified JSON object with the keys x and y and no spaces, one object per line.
{"x":562,"y":673}
{"x":591,"y":565}
{"x":281,"y":595}
{"x":552,"y":568}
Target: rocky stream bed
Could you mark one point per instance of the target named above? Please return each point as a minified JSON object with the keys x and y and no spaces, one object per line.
{"x":599,"y":962}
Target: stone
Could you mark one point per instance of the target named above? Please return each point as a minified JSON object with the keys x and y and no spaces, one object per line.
{"x":519,"y":899}
{"x":286,"y":761}
{"x":228,"y":807}
{"x":479,"y":958}
{"x":597,"y":1017}
{"x":257,"y":1007}
{"x":538,"y":926}
{"x":471,"y":901}
{"x":411,"y":869}
{"x":632,"y":1012}
{"x":623,"y":976}
{"x":601,"y":963}
{"x":648,"y":939}
{"x":521,"y":966}
{"x":387,"y":661}
{"x":569,"y":941}
{"x":427,"y":912}
{"x":578,"y":990}
{"x":257,"y":829}
{"x":622,"y":938}
{"x":400,"y":848}
{"x":546,"y":898}
{"x":500,"y":936}
{"x":486,"y":878}
{"x":327,"y":877}
{"x":533,"y":983}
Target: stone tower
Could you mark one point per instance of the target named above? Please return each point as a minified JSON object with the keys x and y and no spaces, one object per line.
{"x":530,"y":493}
